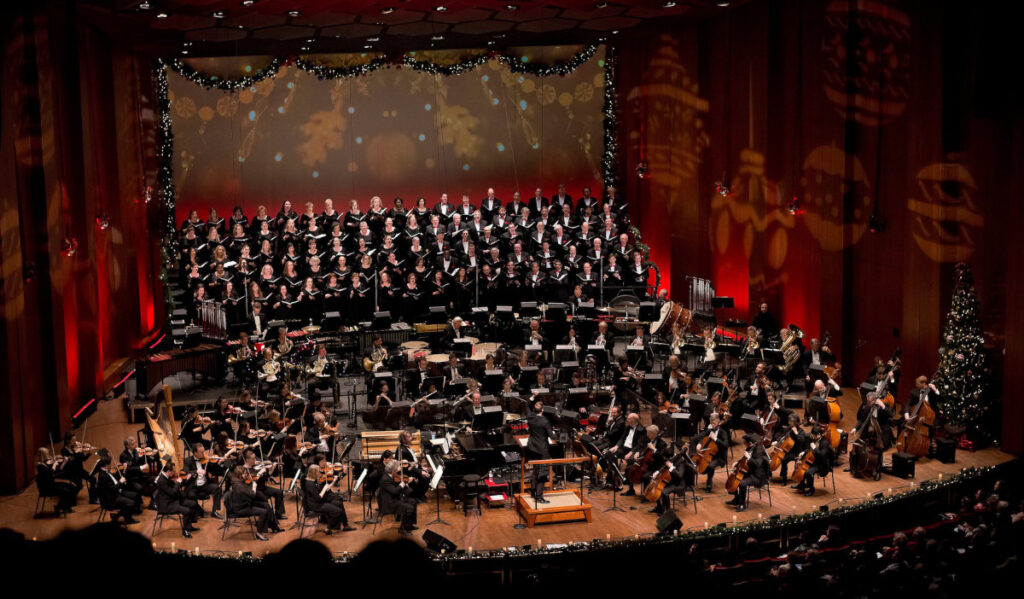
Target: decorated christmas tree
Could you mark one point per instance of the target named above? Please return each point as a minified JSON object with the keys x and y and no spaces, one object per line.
{"x":963,"y":400}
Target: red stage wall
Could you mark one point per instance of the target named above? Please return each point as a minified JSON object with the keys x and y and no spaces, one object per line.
{"x":904,"y":105}
{"x":76,"y":142}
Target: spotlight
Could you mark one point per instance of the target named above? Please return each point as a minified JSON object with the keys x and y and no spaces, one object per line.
{"x":511,"y":7}
{"x":144,"y":6}
{"x":373,"y":39}
{"x":184,"y":52}
{"x":69,"y":246}
{"x":722,"y":3}
{"x":437,"y":38}
{"x":641,"y":170}
{"x":876,"y":224}
{"x":248,"y":2}
{"x":305,"y":48}
{"x":794,"y":206}
{"x":601,"y":5}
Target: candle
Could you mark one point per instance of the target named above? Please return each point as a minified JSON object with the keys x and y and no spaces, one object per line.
{"x":197,"y":550}
{"x":471,"y":551}
{"x":705,"y":524}
{"x":675,"y":532}
{"x":734,"y":519}
{"x":608,"y":537}
{"x":760,"y":516}
{"x":538,"y":543}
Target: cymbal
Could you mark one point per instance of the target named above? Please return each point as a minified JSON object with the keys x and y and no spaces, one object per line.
{"x":311,"y":328}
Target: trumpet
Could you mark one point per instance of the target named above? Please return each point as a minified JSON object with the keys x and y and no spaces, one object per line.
{"x":751,"y":345}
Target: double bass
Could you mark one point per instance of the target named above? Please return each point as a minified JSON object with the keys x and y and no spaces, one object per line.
{"x":915,"y":438}
{"x":866,"y":451}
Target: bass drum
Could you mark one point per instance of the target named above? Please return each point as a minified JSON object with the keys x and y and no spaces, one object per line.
{"x":628,"y":306}
{"x":671,"y":313}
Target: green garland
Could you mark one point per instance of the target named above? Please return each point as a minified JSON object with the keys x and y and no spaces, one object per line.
{"x":966,"y":475}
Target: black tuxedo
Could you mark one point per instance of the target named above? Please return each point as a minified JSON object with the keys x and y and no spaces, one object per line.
{"x":171,"y":499}
{"x":537,"y":448}
{"x":394,"y":499}
{"x":244,"y":501}
{"x":115,"y":496}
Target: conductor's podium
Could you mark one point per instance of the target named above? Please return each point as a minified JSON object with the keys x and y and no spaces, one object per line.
{"x":563,"y":506}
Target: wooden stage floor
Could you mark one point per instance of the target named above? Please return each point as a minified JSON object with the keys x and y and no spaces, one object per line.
{"x":494,"y":527}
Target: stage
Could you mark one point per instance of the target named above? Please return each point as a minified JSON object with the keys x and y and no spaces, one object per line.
{"x":493,"y":527}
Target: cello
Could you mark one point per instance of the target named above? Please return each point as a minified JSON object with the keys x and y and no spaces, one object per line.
{"x":635,"y":471}
{"x":805,"y":462}
{"x":778,"y":451}
{"x":739,"y":470}
{"x":654,"y":489}
{"x":707,"y":453}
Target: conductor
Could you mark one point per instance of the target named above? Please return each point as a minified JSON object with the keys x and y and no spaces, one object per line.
{"x":537,"y":449}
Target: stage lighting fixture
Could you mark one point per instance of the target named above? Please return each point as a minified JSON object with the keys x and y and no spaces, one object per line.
{"x":248,"y":2}
{"x":103,"y":219}
{"x":669,"y":5}
{"x":437,"y":38}
{"x":722,"y":189}
{"x":511,"y":7}
{"x":144,"y":6}
{"x":387,"y":11}
{"x":218,"y":14}
{"x":722,"y":3}
{"x":184,"y":52}
{"x":294,"y":13}
{"x":69,"y":246}
{"x":441,"y":8}
{"x":601,"y":5}
{"x":373,"y":39}
{"x":794,"y":206}
{"x":162,"y":15}
{"x":641,"y":170}
{"x":876,"y":224}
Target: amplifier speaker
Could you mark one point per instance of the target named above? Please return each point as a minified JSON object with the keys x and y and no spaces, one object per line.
{"x":903,"y":465}
{"x":945,"y":450}
{"x":438,"y":543}
{"x":669,"y":522}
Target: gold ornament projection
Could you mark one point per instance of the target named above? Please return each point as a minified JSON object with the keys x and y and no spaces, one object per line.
{"x":879,"y":90}
{"x":392,"y":132}
{"x":946,"y":217}
{"x":823,"y":185}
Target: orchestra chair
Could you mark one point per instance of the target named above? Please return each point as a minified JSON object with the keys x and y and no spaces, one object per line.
{"x":306,"y":513}
{"x":41,"y":499}
{"x":824,"y":480}
{"x":767,"y":486}
{"x":693,"y":497}
{"x":230,"y":517}
{"x":378,"y":518}
{"x":161,"y":516}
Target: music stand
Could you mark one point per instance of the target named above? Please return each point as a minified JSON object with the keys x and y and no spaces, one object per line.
{"x":436,"y":314}
{"x":381,"y":320}
{"x":434,"y":486}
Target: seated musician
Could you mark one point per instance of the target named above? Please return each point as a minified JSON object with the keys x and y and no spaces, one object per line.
{"x":240,"y":360}
{"x":824,"y":455}
{"x":419,"y":479}
{"x":394,"y":498}
{"x":172,"y":499}
{"x":471,"y":409}
{"x":625,"y":377}
{"x":245,"y":501}
{"x":114,"y":494}
{"x":815,"y":355}
{"x":534,"y":335}
{"x":47,"y":471}
{"x":799,"y":437}
{"x":383,"y":398}
{"x":757,"y":471}
{"x":319,"y":434}
{"x":614,"y":426}
{"x":628,"y":441}
{"x":140,"y":473}
{"x":261,"y":475}
{"x":603,"y":336}
{"x":205,"y":479}
{"x":655,"y":445}
{"x":717,"y":433}
{"x":684,"y":477}
{"x":453,"y":371}
{"x":821,"y":392}
{"x":284,"y":344}
{"x":456,"y":330}
{"x":639,"y":339}
{"x":324,"y":497}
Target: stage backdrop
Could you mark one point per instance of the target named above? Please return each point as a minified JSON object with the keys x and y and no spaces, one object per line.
{"x":391,"y":132}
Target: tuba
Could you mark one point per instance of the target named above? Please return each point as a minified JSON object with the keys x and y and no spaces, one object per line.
{"x":790,"y":352}
{"x":270,"y":370}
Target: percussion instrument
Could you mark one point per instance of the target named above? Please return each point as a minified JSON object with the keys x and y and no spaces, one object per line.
{"x":414,"y":345}
{"x":480,"y":350}
{"x":435,"y":362}
{"x":671,"y":313}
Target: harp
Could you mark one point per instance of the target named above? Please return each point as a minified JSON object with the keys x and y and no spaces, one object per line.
{"x":165,"y":429}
